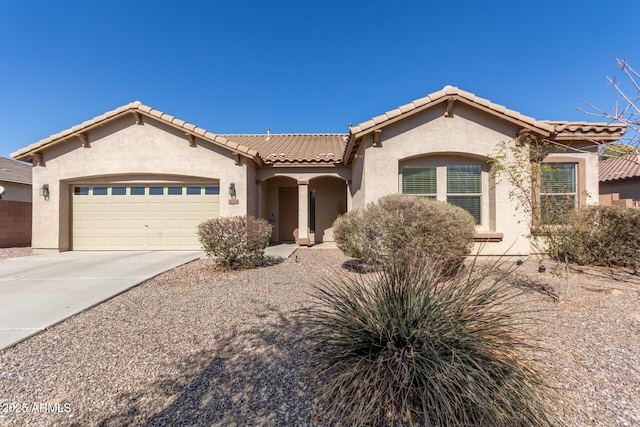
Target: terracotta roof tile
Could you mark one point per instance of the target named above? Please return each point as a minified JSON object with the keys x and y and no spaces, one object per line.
{"x":295,"y":148}
{"x":588,"y":130}
{"x":12,"y":171}
{"x":619,"y":168}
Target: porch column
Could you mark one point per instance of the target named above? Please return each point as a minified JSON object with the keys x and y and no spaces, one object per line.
{"x":349,"y":197}
{"x":303,"y":213}
{"x":259,"y":213}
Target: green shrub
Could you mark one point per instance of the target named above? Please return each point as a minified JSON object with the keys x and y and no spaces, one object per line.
{"x":599,"y":235}
{"x":419,"y":349}
{"x":235,"y":242}
{"x":400,"y":230}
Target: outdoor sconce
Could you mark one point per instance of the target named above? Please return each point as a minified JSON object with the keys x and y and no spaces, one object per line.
{"x":232,"y":190}
{"x":44,"y":191}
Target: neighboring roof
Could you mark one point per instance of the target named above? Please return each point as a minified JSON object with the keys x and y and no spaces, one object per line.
{"x":554,"y":130}
{"x":617,"y":168}
{"x":588,"y":130}
{"x":295,"y":148}
{"x":138,"y":109}
{"x":12,"y":171}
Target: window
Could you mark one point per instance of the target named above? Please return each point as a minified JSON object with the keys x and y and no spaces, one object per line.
{"x":156,"y":191}
{"x":194,"y":190}
{"x":137,"y":191}
{"x":464,"y":188}
{"x":81,"y":191}
{"x":212,"y":190}
{"x":118,"y":191}
{"x":419,"y":180}
{"x":99,"y":191}
{"x":174,"y":191}
{"x":558,"y":191}
{"x":458,"y":184}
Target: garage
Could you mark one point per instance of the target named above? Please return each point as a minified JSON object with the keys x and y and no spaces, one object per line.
{"x":149,"y":216}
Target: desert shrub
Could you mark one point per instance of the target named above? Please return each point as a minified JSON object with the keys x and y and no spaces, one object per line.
{"x":599,"y":235}
{"x":402,"y":230}
{"x":421,"y":349}
{"x":235,"y":242}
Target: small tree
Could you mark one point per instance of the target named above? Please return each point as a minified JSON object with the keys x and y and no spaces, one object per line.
{"x":626,"y":109}
{"x":522,"y":167}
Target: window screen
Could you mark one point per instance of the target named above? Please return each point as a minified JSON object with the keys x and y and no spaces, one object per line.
{"x":464,"y":188}
{"x":558,"y":191}
{"x":419,"y":180}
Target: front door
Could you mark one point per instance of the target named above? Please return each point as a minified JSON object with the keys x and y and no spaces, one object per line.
{"x":288,"y":213}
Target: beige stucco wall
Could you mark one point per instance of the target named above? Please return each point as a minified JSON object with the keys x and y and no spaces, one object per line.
{"x":16,"y":192}
{"x":331,"y":202}
{"x":331,"y":186}
{"x":124,"y":150}
{"x":468,"y":134}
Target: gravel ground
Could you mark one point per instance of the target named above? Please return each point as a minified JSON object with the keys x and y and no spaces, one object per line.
{"x":15,"y":252}
{"x":195,"y":346}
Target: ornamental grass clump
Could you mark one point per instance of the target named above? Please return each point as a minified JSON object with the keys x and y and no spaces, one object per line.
{"x":236,"y":242}
{"x":399,"y":229}
{"x":416,"y":348}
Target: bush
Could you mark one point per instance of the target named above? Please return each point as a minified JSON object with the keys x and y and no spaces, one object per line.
{"x":400,"y":230}
{"x":236,"y":242}
{"x":599,"y":235}
{"x":417,"y":349}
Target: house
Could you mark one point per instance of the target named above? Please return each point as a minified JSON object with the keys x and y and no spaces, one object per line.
{"x":137,"y":178}
{"x":620,"y":180}
{"x":15,"y":178}
{"x":15,"y":203}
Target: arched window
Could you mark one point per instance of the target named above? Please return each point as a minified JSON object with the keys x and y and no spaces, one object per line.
{"x":461,"y":181}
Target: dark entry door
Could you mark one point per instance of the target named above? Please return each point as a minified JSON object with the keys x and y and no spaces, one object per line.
{"x":288,"y":213}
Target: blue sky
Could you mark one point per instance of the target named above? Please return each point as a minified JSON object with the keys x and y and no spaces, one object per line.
{"x":301,"y":67}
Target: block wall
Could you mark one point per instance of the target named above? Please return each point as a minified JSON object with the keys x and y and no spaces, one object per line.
{"x":15,"y":223}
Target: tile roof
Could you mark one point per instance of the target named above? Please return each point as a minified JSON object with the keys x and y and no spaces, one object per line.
{"x":294,"y":148}
{"x":588,"y":130}
{"x":27,"y":153}
{"x":12,"y":171}
{"x":448,"y":92}
{"x":554,"y":130}
{"x":619,"y":168}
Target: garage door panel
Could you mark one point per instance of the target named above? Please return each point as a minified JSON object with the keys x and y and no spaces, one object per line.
{"x":118,"y":207}
{"x":167,"y":220}
{"x":175,"y":207}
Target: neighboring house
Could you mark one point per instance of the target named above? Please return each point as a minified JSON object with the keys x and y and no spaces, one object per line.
{"x":15,"y":178}
{"x":15,"y":203}
{"x":620,"y":179}
{"x":137,"y":178}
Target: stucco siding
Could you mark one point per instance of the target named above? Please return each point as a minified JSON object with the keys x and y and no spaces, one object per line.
{"x":468,"y":134}
{"x":124,"y":150}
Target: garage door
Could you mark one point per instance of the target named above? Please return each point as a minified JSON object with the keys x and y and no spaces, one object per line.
{"x":141,"y":216}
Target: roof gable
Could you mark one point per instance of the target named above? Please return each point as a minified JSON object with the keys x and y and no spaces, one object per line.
{"x":449,"y":95}
{"x":139,"y":110}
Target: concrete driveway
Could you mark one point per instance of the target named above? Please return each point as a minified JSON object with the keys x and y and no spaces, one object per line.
{"x":38,"y":291}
